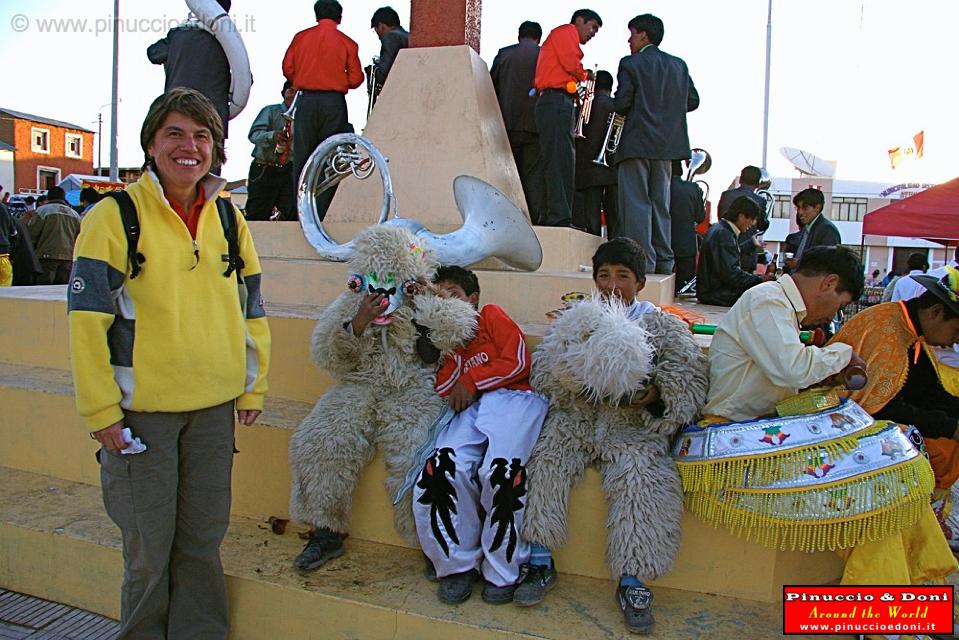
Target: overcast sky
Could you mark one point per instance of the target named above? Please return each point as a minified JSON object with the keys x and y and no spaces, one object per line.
{"x":846,"y":87}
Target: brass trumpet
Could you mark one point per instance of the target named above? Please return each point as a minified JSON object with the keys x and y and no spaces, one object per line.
{"x":589,"y":91}
{"x":614,"y":131}
{"x":282,"y":149}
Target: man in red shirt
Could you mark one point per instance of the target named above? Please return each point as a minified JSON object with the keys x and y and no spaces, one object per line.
{"x":558,"y":70}
{"x":468,"y":503}
{"x":323,"y":64}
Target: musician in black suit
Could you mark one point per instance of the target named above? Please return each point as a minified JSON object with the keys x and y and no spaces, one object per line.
{"x":720,"y":279}
{"x":654,"y":92}
{"x":818,"y":230}
{"x":686,"y":210}
{"x":749,"y":179}
{"x":393,"y":37}
{"x":596,"y":184}
{"x":512,"y":72}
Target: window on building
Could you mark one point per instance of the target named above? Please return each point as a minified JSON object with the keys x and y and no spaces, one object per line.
{"x":783,"y":208}
{"x":39,"y":140}
{"x":73,"y":145}
{"x":848,"y":209}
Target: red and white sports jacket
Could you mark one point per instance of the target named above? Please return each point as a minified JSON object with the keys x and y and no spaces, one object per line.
{"x":497,"y":358}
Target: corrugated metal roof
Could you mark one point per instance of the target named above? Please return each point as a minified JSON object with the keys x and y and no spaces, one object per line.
{"x":56,"y":123}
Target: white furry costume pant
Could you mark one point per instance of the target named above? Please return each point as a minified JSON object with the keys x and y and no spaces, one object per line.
{"x":468,"y":501}
{"x":640,"y":481}
{"x":338,"y":438}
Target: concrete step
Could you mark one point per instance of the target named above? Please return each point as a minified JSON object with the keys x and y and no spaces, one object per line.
{"x":42,"y":434}
{"x":34,"y":333}
{"x":294,"y":274}
{"x":564,"y":249}
{"x":527,"y":297}
{"x":57,"y":543}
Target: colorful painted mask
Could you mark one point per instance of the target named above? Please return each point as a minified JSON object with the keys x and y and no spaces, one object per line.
{"x":385,"y":284}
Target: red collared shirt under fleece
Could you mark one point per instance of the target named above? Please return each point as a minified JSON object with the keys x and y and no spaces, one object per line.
{"x":560,"y":60}
{"x":497,"y":358}
{"x":323,"y":58}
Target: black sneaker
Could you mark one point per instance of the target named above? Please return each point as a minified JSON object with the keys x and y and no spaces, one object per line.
{"x":534,"y":581}
{"x":457,"y":587}
{"x":497,"y":595}
{"x":324,"y":545}
{"x":636,"y":605}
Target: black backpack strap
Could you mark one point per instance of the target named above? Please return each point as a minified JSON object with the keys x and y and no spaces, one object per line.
{"x":131,"y":227}
{"x":228,"y":220}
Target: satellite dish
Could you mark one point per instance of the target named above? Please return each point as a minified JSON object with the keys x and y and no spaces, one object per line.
{"x":808,"y":163}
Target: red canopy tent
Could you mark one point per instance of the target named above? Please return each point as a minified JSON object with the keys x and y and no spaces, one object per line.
{"x":932,"y":214}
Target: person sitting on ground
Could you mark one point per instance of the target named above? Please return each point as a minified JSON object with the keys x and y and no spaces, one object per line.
{"x":817,"y":229}
{"x":757,"y":361}
{"x":907,"y":382}
{"x":618,"y":418}
{"x":468,"y":508}
{"x":720,"y":279}
{"x":749,"y":179}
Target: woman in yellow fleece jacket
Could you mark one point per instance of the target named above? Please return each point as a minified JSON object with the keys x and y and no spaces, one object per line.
{"x":169,"y":353}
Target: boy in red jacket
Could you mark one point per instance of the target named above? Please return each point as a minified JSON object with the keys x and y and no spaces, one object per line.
{"x":469,"y":500}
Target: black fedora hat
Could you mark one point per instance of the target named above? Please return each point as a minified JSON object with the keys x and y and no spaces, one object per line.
{"x":946,"y":288}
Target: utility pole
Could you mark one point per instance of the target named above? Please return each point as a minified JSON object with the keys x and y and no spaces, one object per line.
{"x":114,"y":166}
{"x":769,"y":40}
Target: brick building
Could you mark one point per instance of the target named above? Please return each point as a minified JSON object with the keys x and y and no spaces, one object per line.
{"x":46,"y":150}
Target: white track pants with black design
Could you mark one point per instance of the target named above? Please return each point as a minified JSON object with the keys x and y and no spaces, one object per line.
{"x":469,"y":499}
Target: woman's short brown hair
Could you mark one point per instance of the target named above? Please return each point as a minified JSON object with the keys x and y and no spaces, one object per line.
{"x":190,"y":103}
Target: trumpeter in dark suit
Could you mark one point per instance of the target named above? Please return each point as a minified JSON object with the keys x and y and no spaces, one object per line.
{"x":686,"y":209}
{"x":513,"y":70}
{"x":654,"y":92}
{"x":818,"y":230}
{"x":720,"y":279}
{"x":749,"y":179}
{"x":596,"y":184}
{"x":385,"y":22}
{"x":558,"y":70}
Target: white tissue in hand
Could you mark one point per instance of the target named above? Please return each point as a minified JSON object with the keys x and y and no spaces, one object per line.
{"x":133,"y":444}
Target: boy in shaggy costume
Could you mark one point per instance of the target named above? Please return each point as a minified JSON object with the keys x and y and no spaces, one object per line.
{"x":383,"y":395}
{"x":621,"y":377}
{"x":469,"y":507}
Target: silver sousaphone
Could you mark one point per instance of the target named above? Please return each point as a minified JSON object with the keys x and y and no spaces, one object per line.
{"x":492,"y":225}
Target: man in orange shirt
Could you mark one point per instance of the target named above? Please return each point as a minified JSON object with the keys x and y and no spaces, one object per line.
{"x":558,"y":69}
{"x":323,"y":64}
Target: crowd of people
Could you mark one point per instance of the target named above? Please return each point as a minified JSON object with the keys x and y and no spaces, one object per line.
{"x":568,"y":177}
{"x":483,"y":439}
{"x":36,"y":244}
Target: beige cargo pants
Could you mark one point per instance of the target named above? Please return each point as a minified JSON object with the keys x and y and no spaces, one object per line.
{"x":172,"y":504}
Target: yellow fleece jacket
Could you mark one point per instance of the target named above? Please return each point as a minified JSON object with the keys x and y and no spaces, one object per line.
{"x":178,"y":337}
